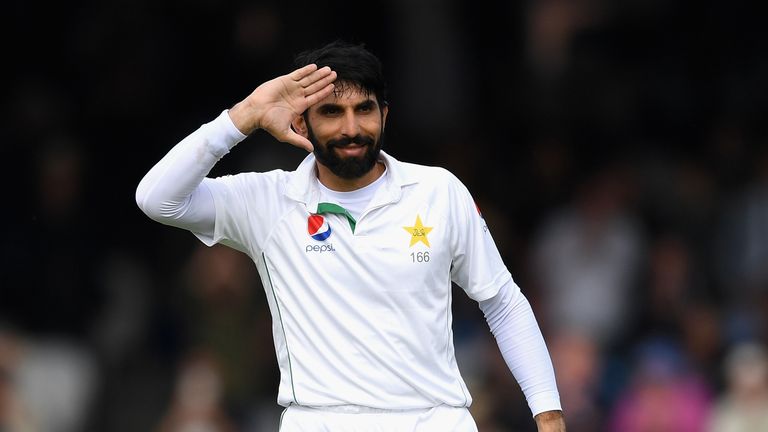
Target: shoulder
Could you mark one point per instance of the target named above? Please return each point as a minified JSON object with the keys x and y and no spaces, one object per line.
{"x":253,"y":181}
{"x":429,"y":175}
{"x":436,"y":183}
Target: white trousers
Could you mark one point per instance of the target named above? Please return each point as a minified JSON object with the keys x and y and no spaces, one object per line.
{"x":438,"y":419}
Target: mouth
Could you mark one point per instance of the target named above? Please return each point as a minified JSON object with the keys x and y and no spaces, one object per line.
{"x":351,"y":150}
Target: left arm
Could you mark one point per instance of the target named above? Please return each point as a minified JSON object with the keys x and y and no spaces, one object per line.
{"x":478,"y":268}
{"x":522,"y":345}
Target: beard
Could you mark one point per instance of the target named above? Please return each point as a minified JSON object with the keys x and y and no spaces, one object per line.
{"x":349,"y":167}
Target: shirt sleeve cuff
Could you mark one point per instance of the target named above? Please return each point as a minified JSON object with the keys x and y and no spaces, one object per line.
{"x":222,"y":134}
{"x":544,"y":401}
{"x":490,"y":290}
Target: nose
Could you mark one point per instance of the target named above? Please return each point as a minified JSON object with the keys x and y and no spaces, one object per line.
{"x":350,"y":125}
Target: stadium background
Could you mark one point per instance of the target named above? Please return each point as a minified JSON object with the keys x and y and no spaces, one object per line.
{"x":617,"y":151}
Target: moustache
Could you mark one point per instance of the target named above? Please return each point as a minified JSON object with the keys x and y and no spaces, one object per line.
{"x":344,"y":142}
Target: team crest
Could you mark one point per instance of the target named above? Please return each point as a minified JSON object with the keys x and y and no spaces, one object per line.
{"x":418,"y":232}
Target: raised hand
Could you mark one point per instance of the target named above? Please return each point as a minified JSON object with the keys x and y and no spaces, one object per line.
{"x":276,"y":103}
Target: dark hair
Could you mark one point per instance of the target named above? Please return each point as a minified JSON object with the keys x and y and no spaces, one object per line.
{"x":354,"y":65}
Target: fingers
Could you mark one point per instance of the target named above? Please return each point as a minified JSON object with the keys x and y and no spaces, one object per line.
{"x":320,"y":95}
{"x":310,"y":74}
{"x":320,"y":84}
{"x":300,"y":73}
{"x":316,"y":83}
{"x":299,"y":141}
{"x":315,"y":76}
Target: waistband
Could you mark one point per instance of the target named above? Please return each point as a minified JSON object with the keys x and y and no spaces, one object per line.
{"x":358,"y":409}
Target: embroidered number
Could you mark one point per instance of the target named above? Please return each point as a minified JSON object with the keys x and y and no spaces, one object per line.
{"x":420,"y":256}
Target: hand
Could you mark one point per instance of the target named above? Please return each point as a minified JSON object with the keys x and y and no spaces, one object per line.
{"x":276,"y":103}
{"x":550,"y":421}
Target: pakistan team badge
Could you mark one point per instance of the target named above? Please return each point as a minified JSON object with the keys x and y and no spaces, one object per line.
{"x":418,"y":232}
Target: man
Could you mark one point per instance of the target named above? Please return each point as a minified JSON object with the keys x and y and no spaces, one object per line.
{"x":356,"y":251}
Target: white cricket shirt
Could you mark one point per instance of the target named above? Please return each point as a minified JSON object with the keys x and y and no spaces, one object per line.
{"x":362,"y":317}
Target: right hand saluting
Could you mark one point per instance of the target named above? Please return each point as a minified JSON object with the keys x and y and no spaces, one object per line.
{"x":276,"y":103}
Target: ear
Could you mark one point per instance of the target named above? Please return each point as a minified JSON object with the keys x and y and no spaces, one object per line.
{"x":300,"y":126}
{"x":384,"y":112}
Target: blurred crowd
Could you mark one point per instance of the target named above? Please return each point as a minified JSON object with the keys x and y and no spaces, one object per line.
{"x":617,"y":150}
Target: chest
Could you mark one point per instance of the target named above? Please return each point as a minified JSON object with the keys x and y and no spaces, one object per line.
{"x":403,"y":246}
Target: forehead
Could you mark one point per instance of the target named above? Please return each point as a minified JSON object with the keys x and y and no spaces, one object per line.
{"x":346,"y":94}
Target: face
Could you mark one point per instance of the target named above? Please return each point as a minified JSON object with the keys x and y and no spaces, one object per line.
{"x":347,"y":131}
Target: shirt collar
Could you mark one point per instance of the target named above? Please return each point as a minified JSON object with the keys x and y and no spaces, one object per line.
{"x":301,"y":186}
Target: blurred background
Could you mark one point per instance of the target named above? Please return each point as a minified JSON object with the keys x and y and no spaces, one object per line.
{"x":618,"y":151}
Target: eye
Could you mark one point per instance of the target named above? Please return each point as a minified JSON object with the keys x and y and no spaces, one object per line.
{"x":329,"y":110}
{"x":366,"y":107}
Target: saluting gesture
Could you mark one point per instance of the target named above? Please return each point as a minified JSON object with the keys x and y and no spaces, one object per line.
{"x":362,"y":325}
{"x":277,"y":102}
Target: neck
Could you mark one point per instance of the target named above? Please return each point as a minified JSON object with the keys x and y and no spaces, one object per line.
{"x":339,"y":184}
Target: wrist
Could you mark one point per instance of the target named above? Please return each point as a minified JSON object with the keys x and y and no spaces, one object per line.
{"x":550,"y":421}
{"x":242,"y":116}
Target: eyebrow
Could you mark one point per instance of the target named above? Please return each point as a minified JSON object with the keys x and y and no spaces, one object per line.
{"x":368,"y":103}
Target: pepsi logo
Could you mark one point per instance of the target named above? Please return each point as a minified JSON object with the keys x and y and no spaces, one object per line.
{"x":318,"y":227}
